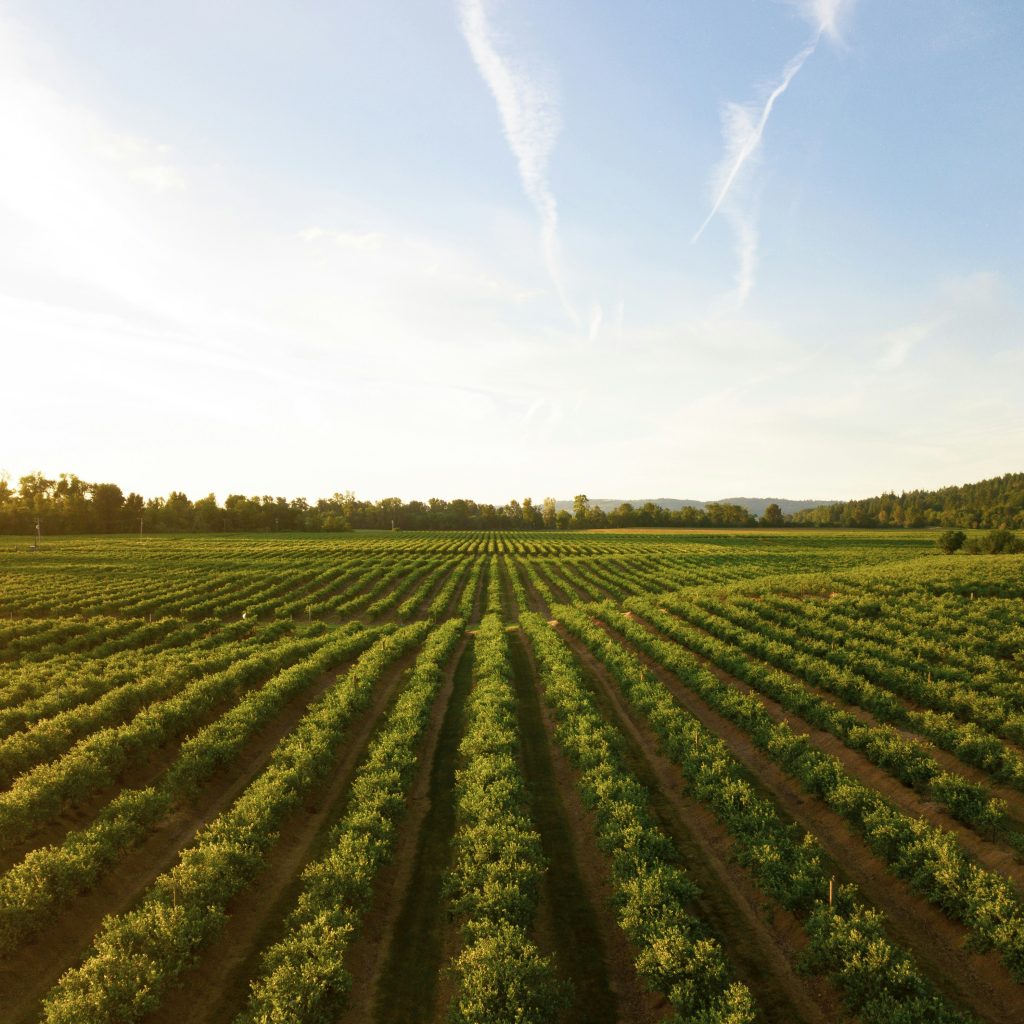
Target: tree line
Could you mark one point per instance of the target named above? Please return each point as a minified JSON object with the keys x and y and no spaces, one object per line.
{"x":997,"y":503}
{"x":67,"y":504}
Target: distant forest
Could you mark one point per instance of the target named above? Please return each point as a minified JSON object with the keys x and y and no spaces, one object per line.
{"x":68,"y":504}
{"x":990,"y":504}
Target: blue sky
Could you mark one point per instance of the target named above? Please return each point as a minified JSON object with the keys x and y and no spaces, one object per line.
{"x":456,"y":247}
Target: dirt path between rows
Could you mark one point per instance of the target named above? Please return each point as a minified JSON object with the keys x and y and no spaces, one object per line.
{"x":533,"y":599}
{"x":144,"y":767}
{"x":216,"y":988}
{"x":398,"y":960}
{"x":762,"y":945}
{"x":26,"y":976}
{"x":581,"y":924}
{"x":906,"y":702}
{"x":991,"y":855}
{"x":371,"y":947}
{"x":974,"y":980}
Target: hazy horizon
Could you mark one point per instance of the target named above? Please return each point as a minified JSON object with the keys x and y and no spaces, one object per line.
{"x":486,"y":249}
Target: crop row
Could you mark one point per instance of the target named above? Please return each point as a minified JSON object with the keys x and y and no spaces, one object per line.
{"x":138,"y":954}
{"x":907,"y":760}
{"x":302,"y":977}
{"x":40,"y":691}
{"x":929,"y":859}
{"x":966,"y":740}
{"x":95,"y":761}
{"x":502,"y":976}
{"x":48,"y":877}
{"x":943,"y":695}
{"x":676,"y":954}
{"x":879,"y":981}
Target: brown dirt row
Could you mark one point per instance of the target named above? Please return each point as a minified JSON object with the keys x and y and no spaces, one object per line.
{"x":533,"y":599}
{"x":143,"y":770}
{"x":216,"y":988}
{"x":992,"y":855}
{"x":372,"y":947}
{"x":762,"y":944}
{"x":26,"y":976}
{"x":568,"y":586}
{"x":910,"y":704}
{"x":974,"y":980}
{"x":557,"y":586}
{"x":950,"y":762}
{"x":409,"y":983}
{"x":593,"y":921}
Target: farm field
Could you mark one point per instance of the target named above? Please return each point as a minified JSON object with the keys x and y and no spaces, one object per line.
{"x":484,"y":777}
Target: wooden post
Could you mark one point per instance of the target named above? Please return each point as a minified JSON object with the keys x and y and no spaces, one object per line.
{"x":831,"y":882}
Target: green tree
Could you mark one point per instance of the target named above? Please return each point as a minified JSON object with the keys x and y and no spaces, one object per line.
{"x":549,"y":514}
{"x":580,"y":509}
{"x":208,"y":516}
{"x":773,"y":516}
{"x":107,"y":502}
{"x":951,"y":540}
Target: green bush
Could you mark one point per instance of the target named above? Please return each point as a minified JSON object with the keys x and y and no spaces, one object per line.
{"x":951,"y":540}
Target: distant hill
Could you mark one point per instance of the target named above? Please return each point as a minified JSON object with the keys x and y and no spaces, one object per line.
{"x":755,"y":506}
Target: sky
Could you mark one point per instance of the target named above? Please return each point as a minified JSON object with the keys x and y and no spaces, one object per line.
{"x":508,"y":248}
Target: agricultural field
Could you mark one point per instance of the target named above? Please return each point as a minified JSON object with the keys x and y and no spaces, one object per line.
{"x":511,"y":777}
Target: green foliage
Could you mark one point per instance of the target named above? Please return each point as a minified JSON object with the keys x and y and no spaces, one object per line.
{"x":951,"y":540}
{"x":302,"y":977}
{"x":787,"y":868}
{"x":498,"y":861}
{"x":138,"y":954}
{"x":652,"y":893}
{"x":995,"y":542}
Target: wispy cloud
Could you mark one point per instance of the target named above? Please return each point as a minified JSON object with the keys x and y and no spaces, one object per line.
{"x":825,"y":15}
{"x":529,"y":116}
{"x":898,"y":344}
{"x":743,"y":127}
{"x":743,"y":132}
{"x":746,"y":236}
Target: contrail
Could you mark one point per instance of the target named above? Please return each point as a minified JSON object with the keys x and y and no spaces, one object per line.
{"x":530,"y":120}
{"x":745,"y":145}
{"x":746,"y":251}
{"x":743,"y":132}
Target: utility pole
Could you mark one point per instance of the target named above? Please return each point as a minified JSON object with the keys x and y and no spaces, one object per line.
{"x":140,"y":524}
{"x":39,"y":533}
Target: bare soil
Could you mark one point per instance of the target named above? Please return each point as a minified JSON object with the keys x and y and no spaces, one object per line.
{"x":371,"y":949}
{"x":762,"y":944}
{"x":1014,"y":798}
{"x":216,"y":988}
{"x":629,"y":1002}
{"x":27,"y":975}
{"x":977,"y":981}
